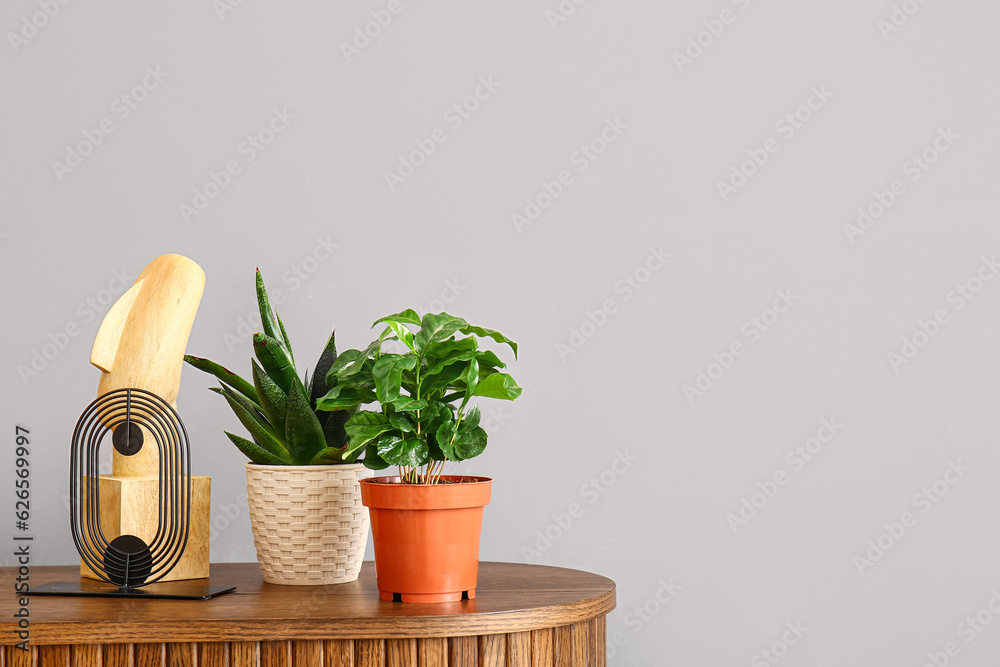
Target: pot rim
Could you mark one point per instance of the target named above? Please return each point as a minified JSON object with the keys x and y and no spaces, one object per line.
{"x":250,"y":465}
{"x":392,"y":481}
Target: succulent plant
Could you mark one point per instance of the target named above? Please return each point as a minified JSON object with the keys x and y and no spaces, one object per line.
{"x":277,"y":408}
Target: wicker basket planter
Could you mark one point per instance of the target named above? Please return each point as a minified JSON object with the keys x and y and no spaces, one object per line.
{"x":309,"y":526}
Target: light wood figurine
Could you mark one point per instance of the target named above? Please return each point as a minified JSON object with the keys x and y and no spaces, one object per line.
{"x":140,"y":344}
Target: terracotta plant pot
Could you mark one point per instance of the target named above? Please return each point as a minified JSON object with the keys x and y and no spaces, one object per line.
{"x":426,"y":536}
{"x":309,"y":526}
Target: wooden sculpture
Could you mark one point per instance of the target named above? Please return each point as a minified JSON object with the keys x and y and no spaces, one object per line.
{"x":140,"y":344}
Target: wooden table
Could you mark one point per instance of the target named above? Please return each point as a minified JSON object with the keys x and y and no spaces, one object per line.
{"x":523,"y":616}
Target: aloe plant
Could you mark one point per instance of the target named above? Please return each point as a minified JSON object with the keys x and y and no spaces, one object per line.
{"x":423,"y":394}
{"x":277,"y":408}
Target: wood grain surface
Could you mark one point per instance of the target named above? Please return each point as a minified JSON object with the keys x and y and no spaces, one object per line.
{"x":523,"y":616}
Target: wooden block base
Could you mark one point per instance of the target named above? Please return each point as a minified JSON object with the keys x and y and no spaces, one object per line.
{"x":130,"y":506}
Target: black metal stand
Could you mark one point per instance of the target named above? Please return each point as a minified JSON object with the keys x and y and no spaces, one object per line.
{"x":128,"y":566}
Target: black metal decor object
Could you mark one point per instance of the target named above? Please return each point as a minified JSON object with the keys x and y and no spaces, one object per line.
{"x":127,"y":563}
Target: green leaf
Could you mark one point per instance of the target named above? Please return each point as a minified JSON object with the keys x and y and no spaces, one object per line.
{"x":397,"y":451}
{"x":267,"y":317}
{"x":262,"y":433}
{"x":498,"y":385}
{"x":319,"y":387}
{"x":471,"y":380}
{"x":402,"y":333}
{"x":224,"y":375}
{"x":284,"y":339}
{"x":471,"y":419}
{"x":388,"y":374}
{"x":255,"y":452}
{"x":445,"y":437}
{"x":469,"y":443}
{"x":445,"y":378}
{"x":365,"y":426}
{"x":275,"y":361}
{"x":327,"y":456}
{"x":351,"y":362}
{"x":448,"y":352}
{"x":345,"y":398}
{"x":303,"y":433}
{"x":490,"y":333}
{"x":273,"y":402}
{"x":333,"y":428}
{"x":488,"y":360}
{"x":435,"y":328}
{"x":402,"y":422}
{"x":372,"y":460}
{"x":434,"y":452}
{"x":408,"y":316}
{"x":404,"y":403}
{"x":433,"y":416}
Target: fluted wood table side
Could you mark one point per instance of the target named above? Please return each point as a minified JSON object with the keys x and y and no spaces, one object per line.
{"x":523,"y":615}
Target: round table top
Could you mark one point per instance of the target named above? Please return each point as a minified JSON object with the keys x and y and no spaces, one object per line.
{"x":510,"y":597}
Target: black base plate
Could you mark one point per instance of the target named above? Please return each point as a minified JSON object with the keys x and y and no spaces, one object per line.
{"x":194,"y":589}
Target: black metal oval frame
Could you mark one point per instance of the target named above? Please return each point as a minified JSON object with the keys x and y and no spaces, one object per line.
{"x":125,"y":409}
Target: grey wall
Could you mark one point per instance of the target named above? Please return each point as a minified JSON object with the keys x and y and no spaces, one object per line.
{"x":713,"y":228}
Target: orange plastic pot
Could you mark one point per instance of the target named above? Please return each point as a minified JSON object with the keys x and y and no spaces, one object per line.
{"x":426,"y":536}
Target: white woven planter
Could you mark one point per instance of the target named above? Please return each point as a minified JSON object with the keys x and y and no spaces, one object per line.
{"x":308,"y":523}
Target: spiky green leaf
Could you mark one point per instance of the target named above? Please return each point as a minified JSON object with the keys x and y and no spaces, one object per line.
{"x":255,"y":452}
{"x":318,"y":387}
{"x":269,"y":321}
{"x":275,"y":361}
{"x":327,"y":456}
{"x":261,"y":432}
{"x":303,"y":434}
{"x":273,"y":402}
{"x":224,"y":375}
